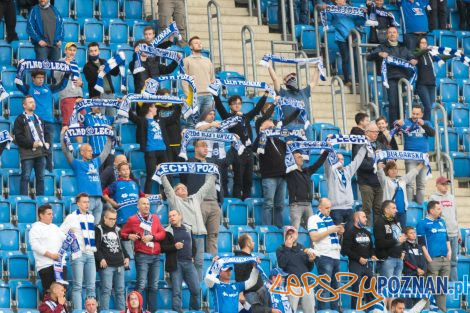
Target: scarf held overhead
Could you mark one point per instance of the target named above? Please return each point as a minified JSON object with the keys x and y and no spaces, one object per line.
{"x":277,"y":133}
{"x":214,"y":88}
{"x":187,"y":168}
{"x":216,"y":267}
{"x":119,"y":59}
{"x":306,"y":146}
{"x":405,"y":155}
{"x":275,"y":58}
{"x":31,"y":64}
{"x":294,"y":103}
{"x":91,"y":103}
{"x":88,"y":131}
{"x":346,"y":11}
{"x":190,"y":108}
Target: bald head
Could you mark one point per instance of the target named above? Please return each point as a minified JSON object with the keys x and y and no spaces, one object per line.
{"x":181,"y":191}
{"x":324,"y":206}
{"x":86,"y":152}
{"x":143,"y":205}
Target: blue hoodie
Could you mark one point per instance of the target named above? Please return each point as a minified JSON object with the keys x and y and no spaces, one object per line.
{"x":34,"y":27}
{"x":344,"y":24}
{"x":416,"y":138}
{"x":415,"y":16}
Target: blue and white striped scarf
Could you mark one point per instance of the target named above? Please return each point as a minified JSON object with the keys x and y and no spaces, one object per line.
{"x":278,"y":133}
{"x":383,"y":13}
{"x":119,"y":59}
{"x":187,"y":168}
{"x":157,"y":52}
{"x":397,"y":129}
{"x":338,"y":139}
{"x":37,"y":136}
{"x":391,"y":60}
{"x":216,"y":267}
{"x":147,"y":223}
{"x":279,"y":299}
{"x":276,"y":58}
{"x":346,"y":11}
{"x":3,"y":93}
{"x":88,"y":230}
{"x":333,"y":236}
{"x":214,"y":88}
{"x":145,"y":98}
{"x":294,"y":103}
{"x":405,"y":155}
{"x":306,"y":146}
{"x":75,"y":70}
{"x":5,"y":137}
{"x":151,"y":87}
{"x":31,"y":64}
{"x":151,"y":198}
{"x":88,"y":131}
{"x":229,"y":122}
{"x":192,"y":134}
{"x":70,"y":243}
{"x":91,"y":103}
{"x":190,"y":108}
{"x":456,"y":54}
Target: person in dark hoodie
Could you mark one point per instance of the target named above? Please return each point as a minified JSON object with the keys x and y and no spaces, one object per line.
{"x":362,"y":120}
{"x":243,"y":271}
{"x":180,"y":249}
{"x":111,"y":259}
{"x":54,"y":301}
{"x":394,"y":73}
{"x":134,"y":303}
{"x":172,"y":128}
{"x":426,"y":82}
{"x":414,"y":263}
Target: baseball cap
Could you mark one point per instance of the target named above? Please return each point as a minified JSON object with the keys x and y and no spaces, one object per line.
{"x":226,"y":268}
{"x":441,"y":180}
{"x":70,"y":44}
{"x":277,"y":271}
{"x":288,"y":228}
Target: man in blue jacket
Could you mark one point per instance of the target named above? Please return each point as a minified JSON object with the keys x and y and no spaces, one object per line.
{"x":415,"y":20}
{"x":46,"y":29}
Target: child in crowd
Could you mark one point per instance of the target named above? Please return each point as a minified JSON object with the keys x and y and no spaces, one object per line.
{"x":414,"y":263}
{"x":384,"y":135}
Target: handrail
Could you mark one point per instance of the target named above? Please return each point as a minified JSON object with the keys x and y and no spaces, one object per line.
{"x":438,"y":149}
{"x":284,"y":19}
{"x":318,"y":39}
{"x":335,"y":92}
{"x":210,"y":16}
{"x":409,"y":96}
{"x":354,"y":33}
{"x":186,"y":20}
{"x":251,"y":41}
{"x":258,"y":10}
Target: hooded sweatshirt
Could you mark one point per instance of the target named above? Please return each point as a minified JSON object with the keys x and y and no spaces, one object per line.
{"x":386,"y":234}
{"x":449,"y":211}
{"x":128,"y":305}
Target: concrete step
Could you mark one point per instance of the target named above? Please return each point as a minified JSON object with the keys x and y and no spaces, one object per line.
{"x":237,"y":36}
{"x":225,"y":11}
{"x":195,"y":20}
{"x":203,"y":3}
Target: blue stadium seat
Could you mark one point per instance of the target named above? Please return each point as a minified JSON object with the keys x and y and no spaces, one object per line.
{"x":57,"y":207}
{"x":68,"y":185}
{"x":466,"y":44}
{"x":164,"y":297}
{"x":446,"y":38}
{"x":71,"y":31}
{"x":459,"y":70}
{"x":27,"y":297}
{"x":5,"y":211}
{"x":138,"y":30}
{"x":232,"y":90}
{"x":466,"y":141}
{"x":26,"y":50}
{"x":322,"y":130}
{"x":81,"y":58}
{"x":13,"y":183}
{"x":304,"y":237}
{"x":452,"y":303}
{"x":225,"y":241}
{"x":9,"y":238}
{"x":460,"y":116}
{"x":128,"y":52}
{"x":17,"y":265}
{"x":272,"y":17}
{"x":93,"y":31}
{"x":237,"y":214}
{"x":118,"y":32}
{"x":161,"y":210}
{"x":136,"y":159}
{"x":6,"y":55}
{"x":26,"y":211}
{"x":441,"y":70}
{"x":84,"y":9}
{"x":453,"y":139}
{"x":21,"y":25}
{"x":5,"y":297}
{"x":255,"y":210}
{"x":463,"y":264}
{"x":127,"y":134}
{"x":10,"y":158}
{"x":108,"y":9}
{"x":8,"y":79}
{"x":466,"y":92}
{"x":414,"y":214}
{"x":5,"y":125}
{"x":58,"y":158}
{"x":133,"y":9}
{"x":461,"y":165}
{"x":256,"y":188}
{"x":271,"y":238}
{"x":63,"y":7}
{"x":449,"y":91}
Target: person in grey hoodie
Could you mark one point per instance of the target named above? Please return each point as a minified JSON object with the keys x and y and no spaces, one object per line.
{"x":449,"y":214}
{"x":340,"y":193}
{"x":190,"y":208}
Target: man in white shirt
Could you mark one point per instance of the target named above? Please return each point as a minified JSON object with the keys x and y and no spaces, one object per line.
{"x":46,"y":240}
{"x":81,"y":222}
{"x":325,"y":237}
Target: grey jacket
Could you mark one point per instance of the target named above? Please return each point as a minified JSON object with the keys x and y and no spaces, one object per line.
{"x":449,"y":211}
{"x":70,"y":90}
{"x":190,"y":207}
{"x":389,"y":185}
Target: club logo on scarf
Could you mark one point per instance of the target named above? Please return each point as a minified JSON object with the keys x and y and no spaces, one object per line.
{"x":314,"y":61}
{"x":187,"y":168}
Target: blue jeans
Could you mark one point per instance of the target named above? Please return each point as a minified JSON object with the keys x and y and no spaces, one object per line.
{"x":205,"y":102}
{"x":185,"y":271}
{"x":454,"y":245}
{"x":148,"y":270}
{"x":96,"y":208}
{"x":330,"y":267}
{"x":401,"y":217}
{"x":112,"y":278}
{"x":27,"y":166}
{"x":391,"y":267}
{"x":411,"y":40}
{"x":274,"y":192}
{"x":50,"y":53}
{"x":199,"y":258}
{"x":84,"y":275}
{"x":427,"y":94}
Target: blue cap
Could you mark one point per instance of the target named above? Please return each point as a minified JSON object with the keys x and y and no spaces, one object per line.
{"x":277,"y":271}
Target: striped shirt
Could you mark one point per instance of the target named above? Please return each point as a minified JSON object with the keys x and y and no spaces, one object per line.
{"x":328,"y":246}
{"x":96,"y":119}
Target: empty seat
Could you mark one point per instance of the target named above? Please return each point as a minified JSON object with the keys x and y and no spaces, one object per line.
{"x":10,"y":158}
{"x":9,"y":239}
{"x":63,"y":7}
{"x":255,"y":210}
{"x":27,"y":297}
{"x":8,"y":78}
{"x":6,"y":54}
{"x":108,"y":9}
{"x":14,"y":106}
{"x":449,"y":91}
{"x":441,"y":70}
{"x":133,"y":9}
{"x":237,"y":214}
{"x":18,"y":266}
{"x":272,"y":238}
{"x":93,"y":31}
{"x":26,"y":51}
{"x":84,"y":9}
{"x":5,"y":211}
{"x":26,"y":211}
{"x":460,"y":116}
{"x":137,"y":160}
{"x":225,"y":241}
{"x":68,"y":185}
{"x":459,"y":70}
{"x":20,"y":28}
{"x":13,"y":183}
{"x":5,"y":297}
{"x":71,"y":31}
{"x":414,"y":214}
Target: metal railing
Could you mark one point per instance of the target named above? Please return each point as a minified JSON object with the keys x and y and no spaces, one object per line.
{"x":210,"y":17}
{"x":403,"y":82}
{"x":251,"y":41}
{"x":186,"y":19}
{"x":258,"y":10}
{"x":284,"y":19}
{"x":334,"y":92}
{"x":319,"y":42}
{"x":439,"y":152}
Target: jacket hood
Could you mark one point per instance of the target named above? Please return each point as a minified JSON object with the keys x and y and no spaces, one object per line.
{"x":139,"y":296}
{"x":357,"y":131}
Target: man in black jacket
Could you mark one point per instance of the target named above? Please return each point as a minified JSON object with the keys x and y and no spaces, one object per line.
{"x":243,"y":271}
{"x":242,"y":164}
{"x":111,"y":259}
{"x":394,"y":73}
{"x":369,"y":185}
{"x":33,"y":140}
{"x":180,"y":250}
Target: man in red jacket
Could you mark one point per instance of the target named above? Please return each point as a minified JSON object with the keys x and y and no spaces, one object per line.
{"x":54,"y":301}
{"x":145,"y":230}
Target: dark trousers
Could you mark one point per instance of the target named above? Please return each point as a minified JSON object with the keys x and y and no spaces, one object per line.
{"x":438,"y":18}
{"x":393,"y":111}
{"x":411,"y":40}
{"x":371,"y":201}
{"x":173,"y":152}
{"x":49,"y":128}
{"x":27,"y":166}
{"x":8,"y":10}
{"x":342,"y":217}
{"x":464,"y":12}
{"x":361,"y":271}
{"x":242,"y":174}
{"x":152,"y":159}
{"x":47,"y":277}
{"x":427,"y":94}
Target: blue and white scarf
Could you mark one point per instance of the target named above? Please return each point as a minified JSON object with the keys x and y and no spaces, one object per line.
{"x":88,"y":230}
{"x":278,"y":133}
{"x":214,"y":88}
{"x":157,"y":52}
{"x":294,"y":103}
{"x":397,"y":129}
{"x":88,"y":131}
{"x":75,"y":70}
{"x":338,"y":139}
{"x":146,"y":225}
{"x":37,"y":136}
{"x":5,"y":137}
{"x":31,"y":64}
{"x":145,"y":98}
{"x":405,"y":155}
{"x":346,"y":11}
{"x":3,"y":93}
{"x":383,"y":13}
{"x":333,"y":236}
{"x":151,"y":87}
{"x":407,"y":294}
{"x":456,"y":54}
{"x":70,"y":243}
{"x":92,"y":103}
{"x":119,"y":59}
{"x":151,"y":198}
{"x":279,"y":299}
{"x":191,"y":134}
{"x":187,"y":168}
{"x":305,"y":146}
{"x":391,"y":60}
{"x":275,"y":58}
{"x":191,"y":108}
{"x":229,"y":122}
{"x":215,"y":268}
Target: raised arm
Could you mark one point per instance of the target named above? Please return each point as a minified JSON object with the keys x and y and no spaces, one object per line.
{"x":208,"y":185}
{"x":275,"y":79}
{"x":106,"y":150}
{"x":261,"y":102}
{"x":68,"y":154}
{"x":169,"y":192}
{"x":356,"y":163}
{"x":220,"y":108}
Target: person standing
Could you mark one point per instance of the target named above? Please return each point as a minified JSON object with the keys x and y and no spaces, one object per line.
{"x":32,"y":138}
{"x":416,"y":133}
{"x":449,"y":214}
{"x":180,"y":250}
{"x":362,"y":120}
{"x":385,"y":137}
{"x":45,"y":239}
{"x":434,"y":239}
{"x":169,"y":10}
{"x":463,"y":7}
{"x":81,"y":223}
{"x":357,"y":245}
{"x":8,"y":10}
{"x":45,"y":27}
{"x":426,"y":81}
{"x":415,"y":18}
{"x":111,"y":259}
{"x":146,"y":231}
